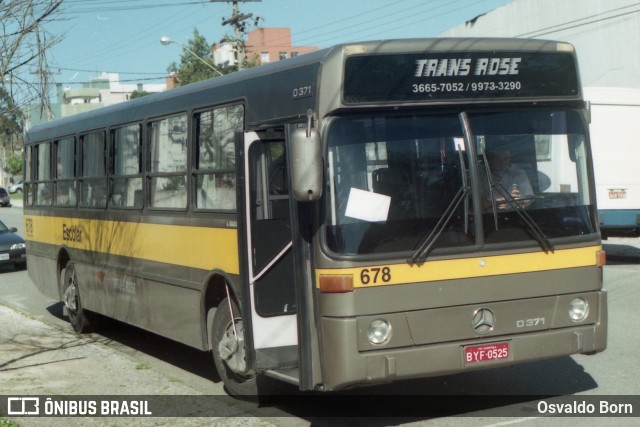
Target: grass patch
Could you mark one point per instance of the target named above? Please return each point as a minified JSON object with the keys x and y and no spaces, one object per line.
{"x":140,"y":367}
{"x":8,"y":423}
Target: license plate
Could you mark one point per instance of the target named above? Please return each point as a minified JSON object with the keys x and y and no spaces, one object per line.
{"x":4,"y":257}
{"x":486,"y":352}
{"x":618,"y":194}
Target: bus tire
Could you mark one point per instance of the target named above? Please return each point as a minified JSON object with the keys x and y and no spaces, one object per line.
{"x":71,"y":297}
{"x":229,"y":352}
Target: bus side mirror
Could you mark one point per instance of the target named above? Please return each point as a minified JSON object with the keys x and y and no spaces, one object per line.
{"x":306,"y":165}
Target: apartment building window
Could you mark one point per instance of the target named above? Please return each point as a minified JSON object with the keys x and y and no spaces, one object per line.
{"x":282,"y":55}
{"x":264,"y":57}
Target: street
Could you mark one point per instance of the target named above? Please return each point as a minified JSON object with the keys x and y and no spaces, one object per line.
{"x":40,"y":355}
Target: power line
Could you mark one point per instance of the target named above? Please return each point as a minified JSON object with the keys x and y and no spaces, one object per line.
{"x":93,"y":81}
{"x":421,"y":19}
{"x":401,"y":22}
{"x":359,"y":26}
{"x":362,"y":19}
{"x":133,"y":45}
{"x":100,"y":9}
{"x":555,"y":28}
{"x":350,"y":18}
{"x":113,"y":72}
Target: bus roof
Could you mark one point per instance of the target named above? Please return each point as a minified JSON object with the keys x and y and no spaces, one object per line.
{"x":282,"y":90}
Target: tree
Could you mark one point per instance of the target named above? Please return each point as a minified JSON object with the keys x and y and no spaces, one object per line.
{"x":138,"y":94}
{"x":24,"y":44}
{"x":24,"y":68}
{"x":11,"y":125}
{"x":191,"y":69}
{"x":15,"y":165}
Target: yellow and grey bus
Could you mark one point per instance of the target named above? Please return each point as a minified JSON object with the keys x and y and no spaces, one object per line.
{"x":366,"y":213}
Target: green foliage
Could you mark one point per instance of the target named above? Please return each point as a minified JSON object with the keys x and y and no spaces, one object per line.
{"x":10,"y":115}
{"x":15,"y":165}
{"x":11,"y":125}
{"x":139,"y":94}
{"x":7,"y":423}
{"x":191,"y":69}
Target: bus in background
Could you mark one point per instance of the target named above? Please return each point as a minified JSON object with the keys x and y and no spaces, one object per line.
{"x":615,"y":141}
{"x":370,"y":212}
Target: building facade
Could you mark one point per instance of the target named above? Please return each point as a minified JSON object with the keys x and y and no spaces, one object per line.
{"x":101,"y":91}
{"x":272,"y":44}
{"x":263,"y":45}
{"x":605,"y":33}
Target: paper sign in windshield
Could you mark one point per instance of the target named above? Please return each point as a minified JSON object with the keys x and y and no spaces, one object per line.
{"x":368,"y":206}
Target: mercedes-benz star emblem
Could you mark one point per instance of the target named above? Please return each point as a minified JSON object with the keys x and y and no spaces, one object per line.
{"x":483,"y":321}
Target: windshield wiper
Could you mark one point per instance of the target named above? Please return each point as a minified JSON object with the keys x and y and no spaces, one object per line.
{"x":538,"y":234}
{"x":424,"y":249}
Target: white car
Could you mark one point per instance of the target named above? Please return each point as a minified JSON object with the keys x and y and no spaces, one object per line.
{"x":17,"y":187}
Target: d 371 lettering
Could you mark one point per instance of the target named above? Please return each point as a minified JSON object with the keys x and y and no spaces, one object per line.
{"x":302,"y":92}
{"x":71,"y":233}
{"x":529,"y":323}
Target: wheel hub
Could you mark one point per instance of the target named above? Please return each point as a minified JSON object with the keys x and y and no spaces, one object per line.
{"x":71,"y":297}
{"x":231,"y":348}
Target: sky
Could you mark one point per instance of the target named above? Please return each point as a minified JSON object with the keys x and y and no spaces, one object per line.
{"x":123,"y":36}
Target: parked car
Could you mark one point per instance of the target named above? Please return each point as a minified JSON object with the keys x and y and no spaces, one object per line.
{"x":18,"y":187}
{"x":12,"y":248}
{"x":5,"y":200}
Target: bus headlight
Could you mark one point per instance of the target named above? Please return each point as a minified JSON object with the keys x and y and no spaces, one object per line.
{"x":379,"y":331}
{"x":578,"y":309}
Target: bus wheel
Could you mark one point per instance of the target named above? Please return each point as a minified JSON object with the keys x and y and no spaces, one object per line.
{"x":77,"y":316}
{"x":228,"y":348}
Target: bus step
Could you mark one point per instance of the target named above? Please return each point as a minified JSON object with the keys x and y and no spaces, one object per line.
{"x":290,"y":375}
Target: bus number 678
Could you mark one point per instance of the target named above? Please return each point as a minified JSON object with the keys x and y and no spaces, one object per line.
{"x":375,"y":275}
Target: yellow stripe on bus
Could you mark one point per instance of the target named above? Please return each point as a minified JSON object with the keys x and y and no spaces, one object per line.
{"x":396,"y":274}
{"x":197,"y":247}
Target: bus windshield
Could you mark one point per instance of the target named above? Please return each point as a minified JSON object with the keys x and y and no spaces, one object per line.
{"x":393,"y":178}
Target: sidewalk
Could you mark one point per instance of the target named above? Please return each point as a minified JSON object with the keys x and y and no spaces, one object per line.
{"x":16,"y":200}
{"x":37,"y":359}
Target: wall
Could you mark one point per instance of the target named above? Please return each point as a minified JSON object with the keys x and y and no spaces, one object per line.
{"x":606,"y":33}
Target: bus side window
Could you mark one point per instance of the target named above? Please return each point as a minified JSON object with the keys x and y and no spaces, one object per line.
{"x":214,"y":169}
{"x":65,"y":160}
{"x":278,"y":181}
{"x":126,"y":167}
{"x":43,"y":186}
{"x":93,"y":176}
{"x":270,"y":183}
{"x":167,"y":162}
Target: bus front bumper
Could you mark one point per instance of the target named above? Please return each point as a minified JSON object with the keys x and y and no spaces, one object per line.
{"x":346,"y":365}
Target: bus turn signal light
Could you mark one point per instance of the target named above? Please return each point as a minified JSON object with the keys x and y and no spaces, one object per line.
{"x":601,"y":258}
{"x":336,"y":283}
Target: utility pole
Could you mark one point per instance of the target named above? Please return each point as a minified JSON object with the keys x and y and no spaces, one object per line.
{"x":237,"y":21}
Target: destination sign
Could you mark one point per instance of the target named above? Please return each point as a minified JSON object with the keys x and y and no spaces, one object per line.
{"x":459,"y":76}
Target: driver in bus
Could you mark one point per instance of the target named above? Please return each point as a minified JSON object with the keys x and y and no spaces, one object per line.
{"x":507,"y":177}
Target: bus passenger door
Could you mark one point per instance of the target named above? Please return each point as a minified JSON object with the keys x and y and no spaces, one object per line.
{"x":269,"y":254}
